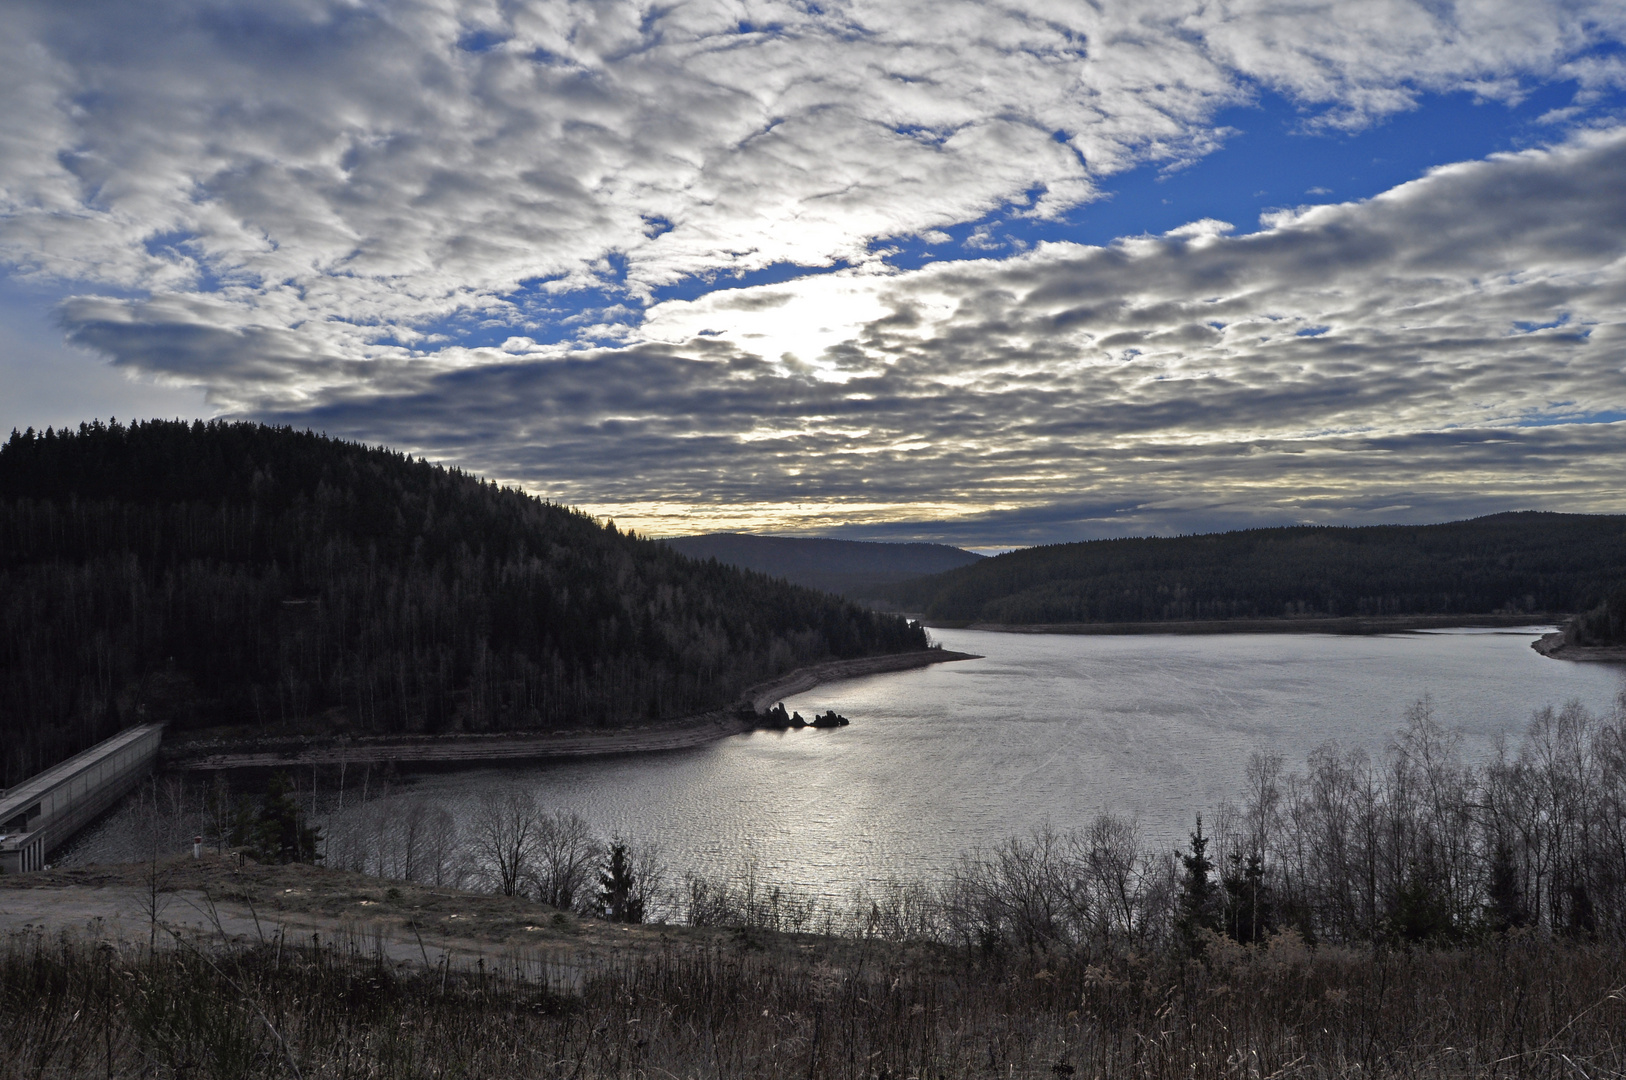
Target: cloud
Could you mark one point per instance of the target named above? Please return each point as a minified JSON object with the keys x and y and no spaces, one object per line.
{"x":351,"y":171}
{"x":315,"y":211}
{"x":1429,"y":349}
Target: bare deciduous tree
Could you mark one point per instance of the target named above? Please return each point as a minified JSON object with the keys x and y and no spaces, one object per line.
{"x":566,"y":857}
{"x":504,"y":835}
{"x":1425,"y":845}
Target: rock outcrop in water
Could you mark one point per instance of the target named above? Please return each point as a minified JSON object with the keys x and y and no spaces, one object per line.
{"x":777,"y":719}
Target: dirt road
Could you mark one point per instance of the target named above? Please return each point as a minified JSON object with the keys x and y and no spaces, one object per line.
{"x":215,"y":900}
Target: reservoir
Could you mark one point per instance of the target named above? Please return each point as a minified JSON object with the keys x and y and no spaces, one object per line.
{"x":1045,"y":728}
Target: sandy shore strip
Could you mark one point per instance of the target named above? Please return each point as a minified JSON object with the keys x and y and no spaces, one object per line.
{"x":1553,"y":646}
{"x":455,"y":750}
{"x":764,"y":695}
{"x":1358,"y":624}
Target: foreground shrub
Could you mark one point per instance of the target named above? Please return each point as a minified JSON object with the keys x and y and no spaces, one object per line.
{"x":1524,"y":1006}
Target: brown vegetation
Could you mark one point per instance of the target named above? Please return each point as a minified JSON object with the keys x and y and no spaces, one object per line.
{"x":1521,"y":1007}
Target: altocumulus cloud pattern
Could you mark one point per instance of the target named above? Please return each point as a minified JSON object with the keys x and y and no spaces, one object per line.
{"x":644,"y":258}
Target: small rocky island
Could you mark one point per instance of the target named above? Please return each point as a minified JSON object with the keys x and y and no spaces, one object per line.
{"x":777,"y":719}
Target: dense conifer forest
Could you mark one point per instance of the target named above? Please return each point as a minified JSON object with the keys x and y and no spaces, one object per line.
{"x":1519,"y":562}
{"x":1603,"y":625}
{"x":855,"y":569}
{"x":232,"y":574}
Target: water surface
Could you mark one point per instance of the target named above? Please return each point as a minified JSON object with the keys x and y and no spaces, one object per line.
{"x":1045,"y":728}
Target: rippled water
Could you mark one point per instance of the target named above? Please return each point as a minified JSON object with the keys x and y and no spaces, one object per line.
{"x":1045,"y":728}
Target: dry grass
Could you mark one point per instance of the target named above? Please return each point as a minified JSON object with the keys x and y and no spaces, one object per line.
{"x":339,"y":896}
{"x":1523,"y":1006}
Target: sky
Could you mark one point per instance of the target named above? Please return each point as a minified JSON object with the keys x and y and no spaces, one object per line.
{"x":986,"y":274}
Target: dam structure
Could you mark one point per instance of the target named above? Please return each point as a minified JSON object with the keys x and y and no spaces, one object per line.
{"x":43,"y":812}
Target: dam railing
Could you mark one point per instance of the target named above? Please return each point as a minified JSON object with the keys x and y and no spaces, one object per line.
{"x":43,"y":812}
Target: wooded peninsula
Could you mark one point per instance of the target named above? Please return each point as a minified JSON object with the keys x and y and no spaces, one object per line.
{"x":264,"y":580}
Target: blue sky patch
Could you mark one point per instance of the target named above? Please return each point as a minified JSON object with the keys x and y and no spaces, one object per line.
{"x":1606,"y":416}
{"x":1277,"y":157}
{"x":1532,"y":327}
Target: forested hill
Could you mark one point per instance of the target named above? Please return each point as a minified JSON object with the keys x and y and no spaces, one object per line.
{"x":235,"y":574}
{"x":1520,"y":562}
{"x":853,"y":568}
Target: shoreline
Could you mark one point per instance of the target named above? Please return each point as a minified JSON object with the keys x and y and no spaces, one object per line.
{"x":462,"y":750}
{"x":1553,"y":647}
{"x":800,"y":681}
{"x":1354,"y":625}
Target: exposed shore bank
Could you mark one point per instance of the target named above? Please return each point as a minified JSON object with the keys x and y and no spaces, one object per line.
{"x":1554,"y":646}
{"x":1359,"y":624}
{"x":510,"y":747}
{"x":802,"y":680}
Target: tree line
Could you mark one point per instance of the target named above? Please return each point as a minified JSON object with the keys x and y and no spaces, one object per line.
{"x":248,"y":578}
{"x":1603,"y":625}
{"x":1515,"y":563}
{"x":1417,"y":847}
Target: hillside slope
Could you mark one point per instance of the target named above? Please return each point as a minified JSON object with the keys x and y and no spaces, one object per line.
{"x":237,"y":575}
{"x":1519,"y":562}
{"x":851,"y":568}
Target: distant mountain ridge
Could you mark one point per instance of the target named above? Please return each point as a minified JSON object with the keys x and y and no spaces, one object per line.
{"x":853,"y":568}
{"x":1517,"y":562}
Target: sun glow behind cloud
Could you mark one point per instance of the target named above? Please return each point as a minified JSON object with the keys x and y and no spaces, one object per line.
{"x":815,"y":267}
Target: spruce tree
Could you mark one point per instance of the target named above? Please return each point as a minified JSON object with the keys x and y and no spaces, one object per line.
{"x":277,"y":832}
{"x":618,"y":899}
{"x":1197,"y":897}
